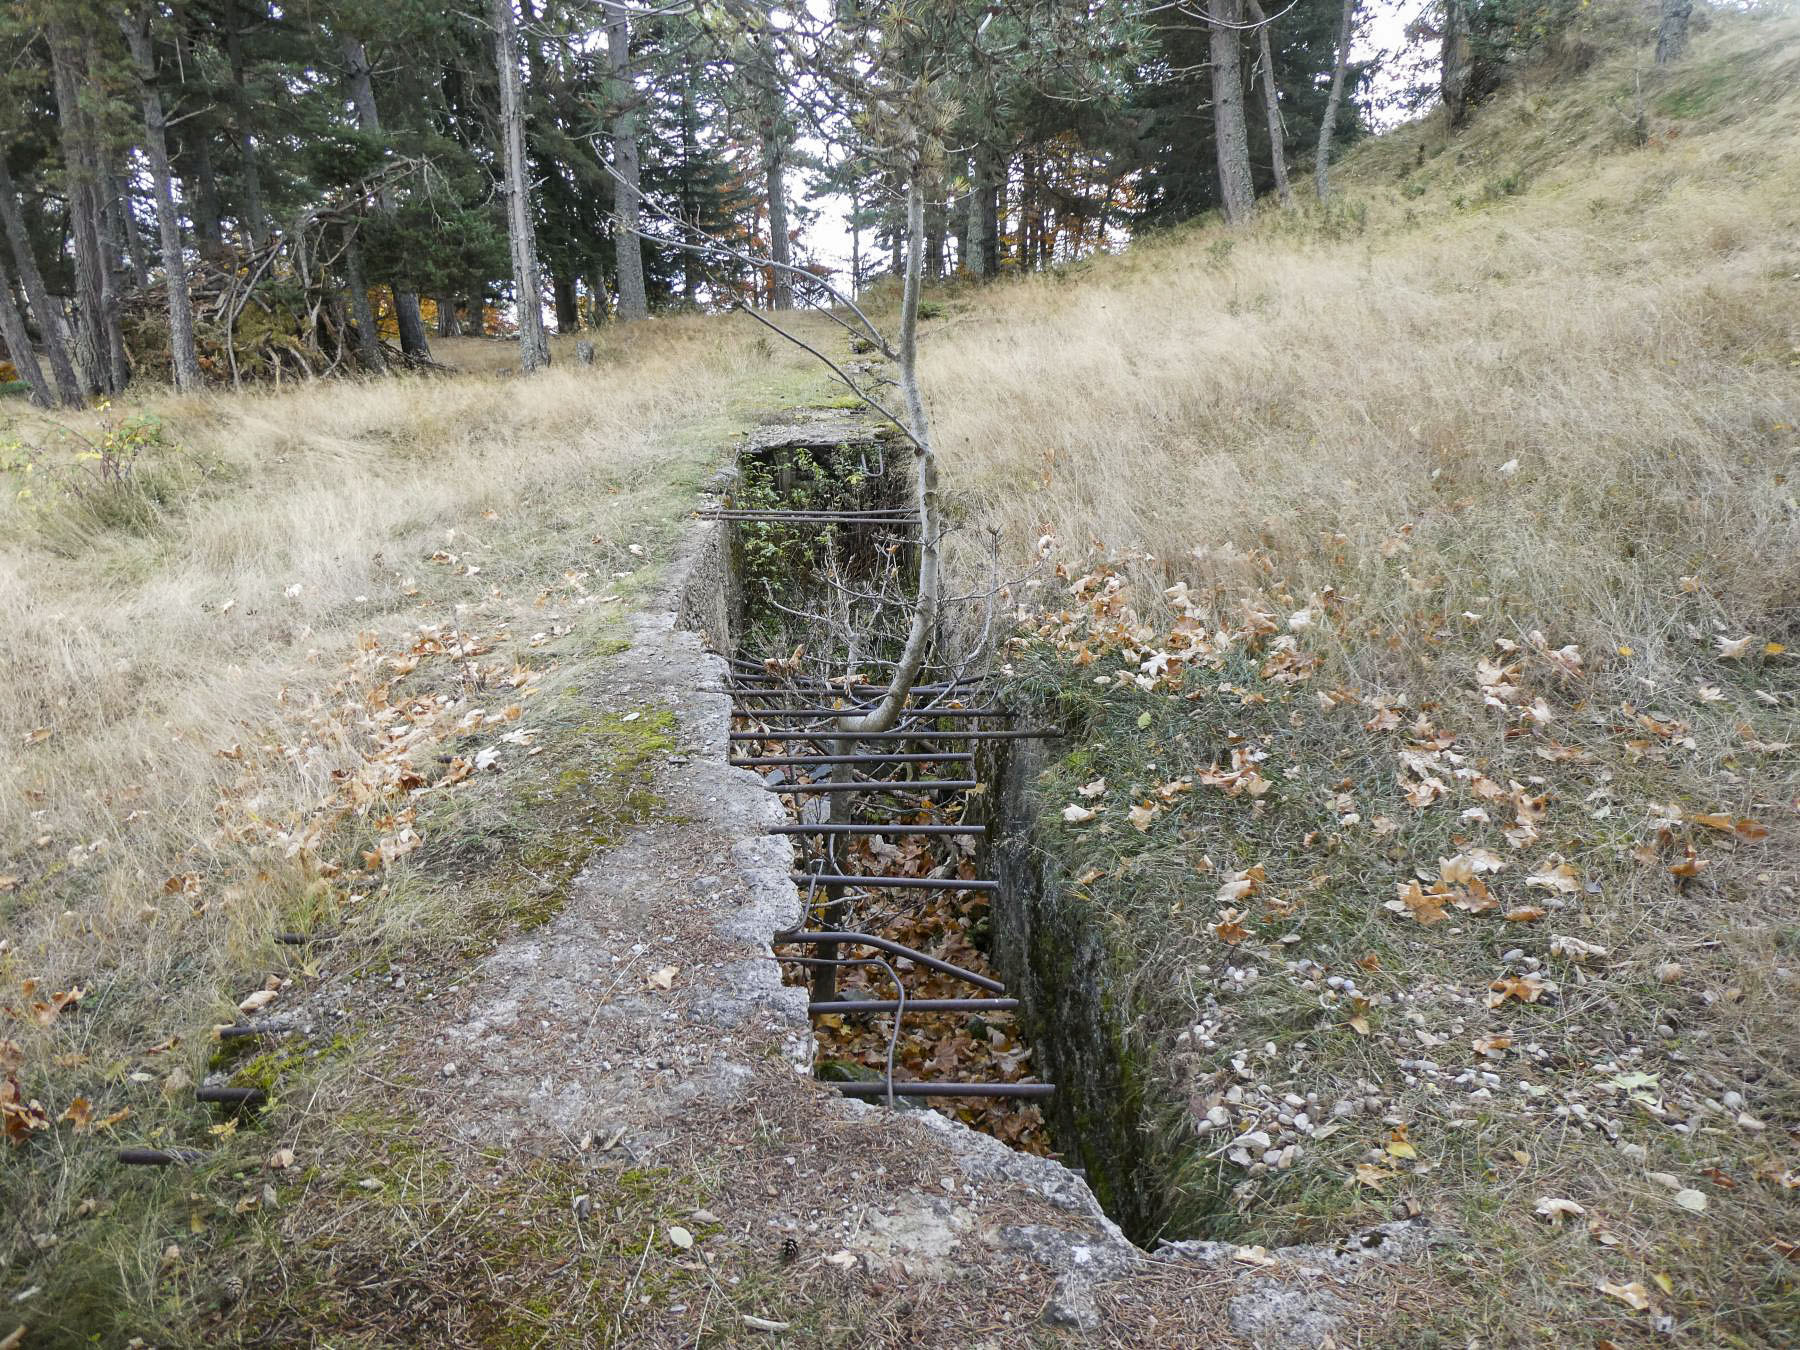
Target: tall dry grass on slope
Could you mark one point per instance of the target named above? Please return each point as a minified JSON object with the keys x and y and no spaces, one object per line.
{"x":1568,"y":398}
{"x":1482,"y":484}
{"x":278,"y":525}
{"x":242,"y":632}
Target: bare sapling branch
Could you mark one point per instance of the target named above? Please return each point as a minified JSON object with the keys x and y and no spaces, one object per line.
{"x":925,"y":481}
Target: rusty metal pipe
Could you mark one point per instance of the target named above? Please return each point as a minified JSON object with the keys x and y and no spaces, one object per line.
{"x":920,"y":785}
{"x":882,"y":944}
{"x":925,"y":1005}
{"x":944,"y":757}
{"x":946,"y":1089}
{"x":889,"y":883}
{"x":818,"y":734}
{"x":846,"y":712}
{"x":876,"y":829}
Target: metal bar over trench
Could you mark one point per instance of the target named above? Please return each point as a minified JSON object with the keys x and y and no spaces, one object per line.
{"x":881,"y":944}
{"x":816,"y":734}
{"x":883,"y":1088}
{"x":920,"y":1005}
{"x":896,"y":829}
{"x":887,"y":883}
{"x":943,"y":757}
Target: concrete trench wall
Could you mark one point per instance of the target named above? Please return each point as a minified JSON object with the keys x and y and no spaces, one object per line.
{"x":1047,"y":952}
{"x":1055,"y":959}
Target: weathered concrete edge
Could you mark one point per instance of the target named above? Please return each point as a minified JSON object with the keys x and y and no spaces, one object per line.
{"x":1282,"y":1297}
{"x":694,"y":600}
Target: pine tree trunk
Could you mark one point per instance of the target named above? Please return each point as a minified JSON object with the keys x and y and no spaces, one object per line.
{"x":18,"y":345}
{"x":934,"y":240}
{"x":781,"y":281}
{"x":993,"y":189}
{"x":37,"y":296}
{"x":475,"y":315}
{"x":95,"y":312}
{"x":368,"y":116}
{"x":131,"y":237}
{"x":975,"y":259}
{"x":1328,"y":124}
{"x":632,"y":301}
{"x":250,"y":169}
{"x":1000,"y":179}
{"x":690,"y":207}
{"x":204,"y":205}
{"x":1272,"y":105}
{"x":112,"y":265}
{"x":113,"y":234}
{"x":772,"y":113}
{"x":368,"y":337}
{"x":534,"y":344}
{"x":855,"y":242}
{"x":1458,"y":61}
{"x":1028,"y":208}
{"x":568,"y":313}
{"x":447,"y":324}
{"x":182,"y":355}
{"x":1672,"y":30}
{"x":1237,"y":190}
{"x":962,"y":215}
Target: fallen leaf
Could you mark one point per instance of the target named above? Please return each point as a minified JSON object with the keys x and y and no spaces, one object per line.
{"x":1561,"y":879}
{"x":1524,"y":988}
{"x":1633,"y":1294}
{"x":1427,"y":907}
{"x":1555,"y":1209}
{"x":1575,"y":949}
{"x":1733,"y":649}
{"x":663,"y":978}
{"x":1690,"y":1199}
{"x":680,"y":1237}
{"x":1230,"y":931}
{"x":256,"y":1002}
{"x":1691,"y":865}
{"x":1077,"y":815}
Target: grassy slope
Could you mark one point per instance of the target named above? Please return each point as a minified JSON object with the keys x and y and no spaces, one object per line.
{"x":223,"y":675}
{"x":1528,"y":379}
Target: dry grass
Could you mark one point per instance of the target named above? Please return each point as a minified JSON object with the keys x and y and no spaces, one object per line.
{"x":1334,"y":395}
{"x":1528,"y":379}
{"x":1627,"y":333}
{"x":210,"y":633}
